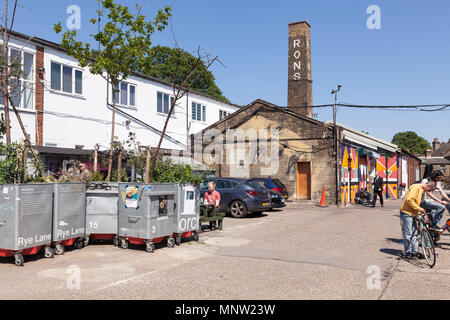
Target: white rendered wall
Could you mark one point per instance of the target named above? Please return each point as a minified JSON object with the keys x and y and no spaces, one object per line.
{"x":86,"y":120}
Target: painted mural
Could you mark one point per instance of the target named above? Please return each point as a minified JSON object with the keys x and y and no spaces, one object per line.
{"x":388,"y":171}
{"x":346,"y":153}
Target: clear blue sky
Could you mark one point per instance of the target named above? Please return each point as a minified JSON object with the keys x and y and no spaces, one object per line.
{"x":406,"y":62}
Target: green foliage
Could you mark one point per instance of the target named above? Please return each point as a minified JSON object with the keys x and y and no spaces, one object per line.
{"x":410,"y":141}
{"x":124,"y":39}
{"x":2,"y":125}
{"x":11,"y":166}
{"x":168,"y":171}
{"x":123,"y":175}
{"x":171,"y":64}
{"x":98,"y":176}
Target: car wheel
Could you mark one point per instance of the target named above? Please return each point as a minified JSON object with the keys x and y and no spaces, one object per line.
{"x":238,"y":209}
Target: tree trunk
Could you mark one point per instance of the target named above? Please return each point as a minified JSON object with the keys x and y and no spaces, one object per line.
{"x":110,"y":162}
{"x":37,"y":162}
{"x":119,"y":166}
{"x":147,"y":166}
{"x":4,"y":77}
{"x":95,"y":159}
{"x":24,"y":159}
{"x":155,"y":156}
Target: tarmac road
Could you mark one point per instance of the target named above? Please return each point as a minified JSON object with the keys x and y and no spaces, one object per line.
{"x":300,"y":252}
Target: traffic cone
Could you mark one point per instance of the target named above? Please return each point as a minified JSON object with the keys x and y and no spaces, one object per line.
{"x":323,"y":203}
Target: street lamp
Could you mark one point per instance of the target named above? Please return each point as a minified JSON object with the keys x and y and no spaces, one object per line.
{"x":335,"y":141}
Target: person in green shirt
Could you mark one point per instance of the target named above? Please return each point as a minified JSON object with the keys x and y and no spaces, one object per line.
{"x":410,"y":209}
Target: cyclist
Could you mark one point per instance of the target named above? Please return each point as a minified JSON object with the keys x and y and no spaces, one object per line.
{"x":433,"y":203}
{"x":411,"y":208}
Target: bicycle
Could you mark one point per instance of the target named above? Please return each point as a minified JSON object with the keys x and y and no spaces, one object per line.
{"x":437,"y":234}
{"x":427,"y":242}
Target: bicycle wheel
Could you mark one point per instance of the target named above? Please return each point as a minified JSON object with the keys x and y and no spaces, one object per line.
{"x":428,"y":248}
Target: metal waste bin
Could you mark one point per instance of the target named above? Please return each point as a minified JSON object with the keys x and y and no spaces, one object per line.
{"x":101,"y":211}
{"x":187,"y":212}
{"x":69,"y":215}
{"x":25,"y":220}
{"x":146,"y":214}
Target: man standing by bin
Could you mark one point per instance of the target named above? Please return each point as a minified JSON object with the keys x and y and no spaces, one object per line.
{"x":212,"y":197}
{"x":377,"y":189}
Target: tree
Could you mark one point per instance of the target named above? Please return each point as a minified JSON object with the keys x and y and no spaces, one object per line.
{"x":124,"y":43}
{"x":410,"y":141}
{"x":12,"y":88}
{"x":182,"y":83}
{"x":163,"y":63}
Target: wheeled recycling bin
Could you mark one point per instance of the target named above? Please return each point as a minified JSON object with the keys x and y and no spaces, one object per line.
{"x":69,"y":215}
{"x":146,"y":214}
{"x":187,"y":212}
{"x":101,"y":211}
{"x":25,"y":220}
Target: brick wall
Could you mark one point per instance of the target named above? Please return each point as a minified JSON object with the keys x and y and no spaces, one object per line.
{"x":39,"y":96}
{"x":300,"y":139}
{"x":299,"y":74}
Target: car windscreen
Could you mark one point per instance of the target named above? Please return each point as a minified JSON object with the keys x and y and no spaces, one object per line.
{"x":269,"y":184}
{"x":278,"y":183}
{"x":255,"y":184}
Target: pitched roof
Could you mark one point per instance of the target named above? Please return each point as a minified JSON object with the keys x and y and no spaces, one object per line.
{"x":444,"y":150}
{"x":266,"y":105}
{"x":55,"y":46}
{"x":436,"y":161}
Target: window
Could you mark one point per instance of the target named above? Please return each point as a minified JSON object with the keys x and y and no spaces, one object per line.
{"x":223,"y":114}
{"x":163,"y":105}
{"x":223,"y":184}
{"x":198,"y":112}
{"x":66,"y":79}
{"x":125,"y":94}
{"x":204,"y":184}
{"x":22,"y":88}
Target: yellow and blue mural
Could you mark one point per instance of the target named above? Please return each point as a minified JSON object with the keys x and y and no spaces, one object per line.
{"x":349,"y":159}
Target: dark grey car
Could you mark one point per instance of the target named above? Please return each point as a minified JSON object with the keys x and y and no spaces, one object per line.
{"x":238,"y":197}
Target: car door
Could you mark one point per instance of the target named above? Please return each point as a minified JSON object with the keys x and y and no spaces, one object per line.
{"x":224,"y":187}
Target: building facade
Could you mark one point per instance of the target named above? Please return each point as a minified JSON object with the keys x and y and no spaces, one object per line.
{"x":64,"y":106}
{"x":439,"y":158}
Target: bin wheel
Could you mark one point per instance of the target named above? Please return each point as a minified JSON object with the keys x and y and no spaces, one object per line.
{"x":150,"y":247}
{"x":178,"y":240}
{"x":59,"y":249}
{"x":195,"y":236}
{"x":170,"y":242}
{"x":49,"y":252}
{"x":18,"y":259}
{"x":123,"y":243}
{"x":116,"y":242}
{"x":78,"y":244}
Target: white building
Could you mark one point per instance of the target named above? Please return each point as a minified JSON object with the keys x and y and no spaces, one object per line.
{"x":64,"y":106}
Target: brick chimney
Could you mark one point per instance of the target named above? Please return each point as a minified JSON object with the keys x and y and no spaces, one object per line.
{"x":436,"y":144}
{"x":299,"y":75}
{"x":428,"y":153}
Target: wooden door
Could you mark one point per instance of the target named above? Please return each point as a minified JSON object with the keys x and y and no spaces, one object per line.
{"x":303,"y":180}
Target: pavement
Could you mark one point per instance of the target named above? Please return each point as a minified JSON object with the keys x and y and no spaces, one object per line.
{"x":299,"y":252}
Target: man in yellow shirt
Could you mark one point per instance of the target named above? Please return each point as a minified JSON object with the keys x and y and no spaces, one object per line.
{"x":411,"y":208}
